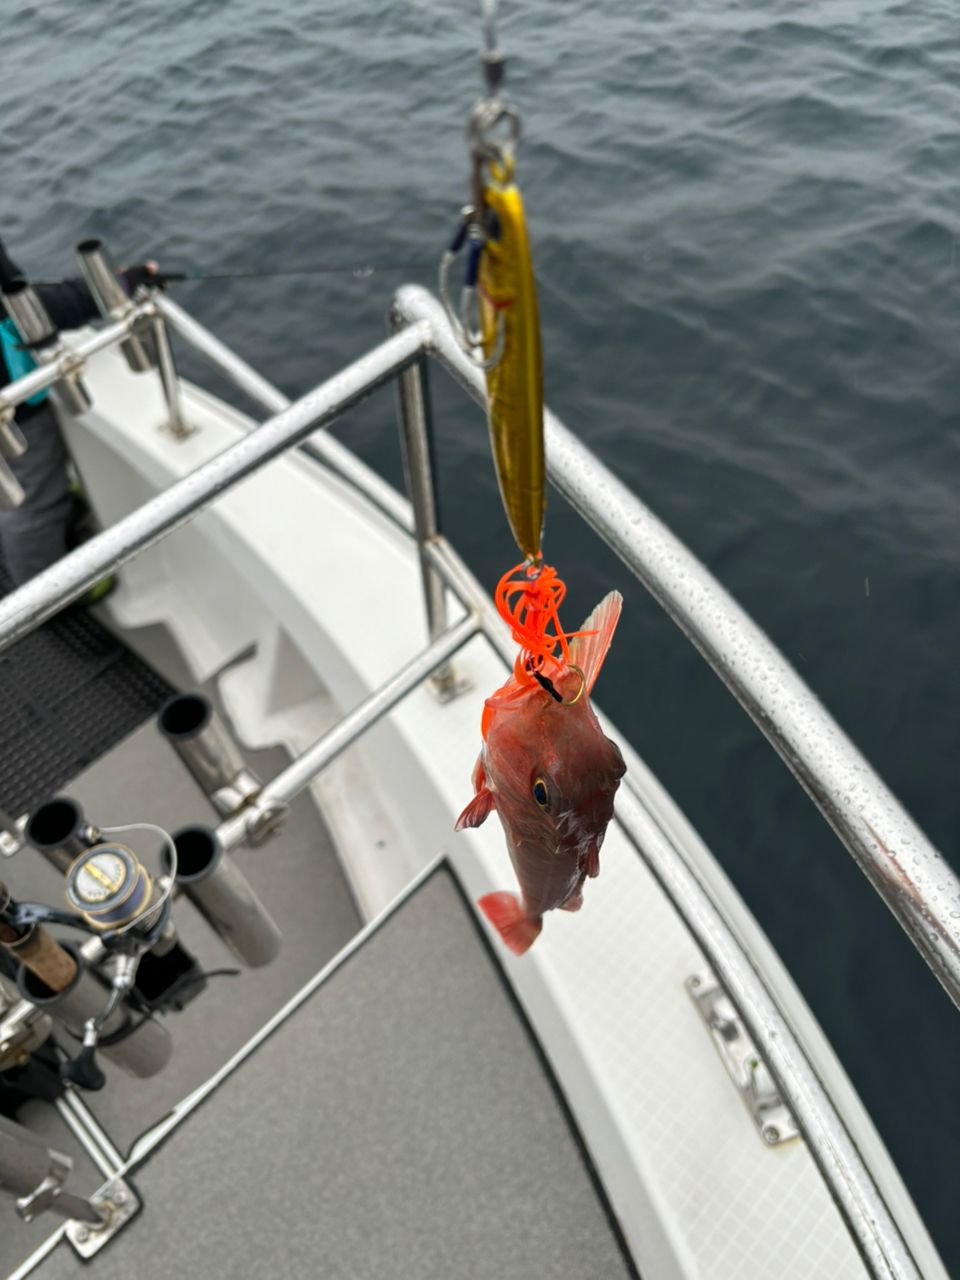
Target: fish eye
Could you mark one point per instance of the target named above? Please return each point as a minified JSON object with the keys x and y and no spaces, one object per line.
{"x":540,"y":793}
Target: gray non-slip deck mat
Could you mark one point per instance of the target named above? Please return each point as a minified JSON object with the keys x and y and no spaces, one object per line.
{"x":400,"y":1124}
{"x":68,"y":692}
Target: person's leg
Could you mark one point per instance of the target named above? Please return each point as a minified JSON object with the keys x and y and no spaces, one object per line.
{"x":33,"y":535}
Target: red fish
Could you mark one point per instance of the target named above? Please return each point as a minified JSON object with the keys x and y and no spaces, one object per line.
{"x":549,"y":770}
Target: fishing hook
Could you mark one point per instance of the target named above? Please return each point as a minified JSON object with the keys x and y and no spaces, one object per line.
{"x":570,"y":702}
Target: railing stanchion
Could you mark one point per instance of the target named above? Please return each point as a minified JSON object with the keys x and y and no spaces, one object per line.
{"x":176,"y":423}
{"x":416,"y":446}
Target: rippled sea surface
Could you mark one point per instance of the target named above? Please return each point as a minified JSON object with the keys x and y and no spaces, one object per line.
{"x":746,"y":227}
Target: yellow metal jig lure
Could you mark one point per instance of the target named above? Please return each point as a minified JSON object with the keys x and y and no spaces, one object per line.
{"x":498,"y":322}
{"x":510,"y":325}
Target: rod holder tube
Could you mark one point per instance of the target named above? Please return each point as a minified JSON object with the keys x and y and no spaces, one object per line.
{"x":24,"y":1159}
{"x":144,"y":1052}
{"x":36,"y":1175}
{"x":224,"y":896}
{"x":11,"y":492}
{"x":13,"y":443}
{"x":38,"y":951}
{"x":113,"y":303}
{"x":60,"y":831}
{"x":38,"y":332}
{"x":189,"y":722}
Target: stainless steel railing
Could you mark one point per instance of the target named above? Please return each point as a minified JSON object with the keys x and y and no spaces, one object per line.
{"x":67,"y":580}
{"x":904,"y":867}
{"x":918,"y":886}
{"x":67,"y":362}
{"x":324,"y":448}
{"x":909,"y":873}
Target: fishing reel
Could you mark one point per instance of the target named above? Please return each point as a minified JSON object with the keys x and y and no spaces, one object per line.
{"x":117,"y":897}
{"x":129,"y":909}
{"x":117,"y":900}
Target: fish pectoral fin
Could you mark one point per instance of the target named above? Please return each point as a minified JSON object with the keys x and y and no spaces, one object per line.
{"x":588,"y":652}
{"x":479,"y":778}
{"x":478,"y":810}
{"x":591,"y":863}
{"x":505,"y":912}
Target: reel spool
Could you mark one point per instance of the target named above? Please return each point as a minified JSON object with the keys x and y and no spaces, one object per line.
{"x":112,"y":889}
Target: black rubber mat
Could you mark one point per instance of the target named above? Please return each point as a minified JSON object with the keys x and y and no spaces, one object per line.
{"x":69,"y":692}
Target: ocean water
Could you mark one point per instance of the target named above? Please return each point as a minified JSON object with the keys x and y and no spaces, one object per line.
{"x":746,"y":230}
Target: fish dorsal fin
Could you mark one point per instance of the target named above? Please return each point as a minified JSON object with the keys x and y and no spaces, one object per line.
{"x":588,"y":652}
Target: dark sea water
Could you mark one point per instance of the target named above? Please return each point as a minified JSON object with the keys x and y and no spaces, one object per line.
{"x":746,"y":220}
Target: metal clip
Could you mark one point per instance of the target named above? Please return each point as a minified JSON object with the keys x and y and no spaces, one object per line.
{"x":264,"y":820}
{"x":463,"y":320}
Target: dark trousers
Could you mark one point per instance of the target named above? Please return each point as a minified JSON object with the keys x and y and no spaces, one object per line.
{"x":33,"y":535}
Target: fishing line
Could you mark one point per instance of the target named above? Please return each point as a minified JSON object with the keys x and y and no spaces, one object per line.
{"x":361,"y":272}
{"x":171,"y":875}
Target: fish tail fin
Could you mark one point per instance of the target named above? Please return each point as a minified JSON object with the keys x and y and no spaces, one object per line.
{"x":588,"y":651}
{"x":505,"y":912}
